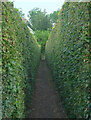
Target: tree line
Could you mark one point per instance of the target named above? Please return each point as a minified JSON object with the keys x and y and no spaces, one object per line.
{"x":41,"y":23}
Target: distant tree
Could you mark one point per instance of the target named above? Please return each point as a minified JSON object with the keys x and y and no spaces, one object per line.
{"x":39,"y":20}
{"x":54,"y":16}
{"x":41,"y":23}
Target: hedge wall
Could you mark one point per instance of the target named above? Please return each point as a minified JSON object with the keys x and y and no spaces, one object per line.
{"x":0,"y":64}
{"x":20,"y":58}
{"x":42,"y":37}
{"x":68,"y":57}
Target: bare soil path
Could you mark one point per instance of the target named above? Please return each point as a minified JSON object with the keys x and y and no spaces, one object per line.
{"x":45,"y":103}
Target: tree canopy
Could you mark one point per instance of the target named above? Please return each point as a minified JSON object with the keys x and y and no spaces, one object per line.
{"x":54,"y":16}
{"x":39,"y":20}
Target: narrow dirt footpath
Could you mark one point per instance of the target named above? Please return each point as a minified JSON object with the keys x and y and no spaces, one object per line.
{"x":45,"y":103}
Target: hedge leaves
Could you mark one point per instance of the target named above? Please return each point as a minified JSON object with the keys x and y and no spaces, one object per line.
{"x":68,"y":57}
{"x":20,"y":58}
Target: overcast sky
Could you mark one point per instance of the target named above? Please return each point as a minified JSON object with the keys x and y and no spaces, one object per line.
{"x":27,"y":5}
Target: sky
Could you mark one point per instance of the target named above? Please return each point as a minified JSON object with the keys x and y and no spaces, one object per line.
{"x":27,"y":5}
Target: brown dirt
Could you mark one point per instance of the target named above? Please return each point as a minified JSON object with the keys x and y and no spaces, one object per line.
{"x":45,"y":103}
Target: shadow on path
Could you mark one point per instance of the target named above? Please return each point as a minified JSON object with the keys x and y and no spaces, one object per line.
{"x":45,"y":103}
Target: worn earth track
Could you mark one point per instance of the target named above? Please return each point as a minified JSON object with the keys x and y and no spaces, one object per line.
{"x":45,"y":102}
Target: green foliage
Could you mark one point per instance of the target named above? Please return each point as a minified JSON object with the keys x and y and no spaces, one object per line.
{"x":42,"y":37}
{"x":42,"y":23}
{"x":0,"y":62}
{"x":20,"y":58}
{"x":39,"y":20}
{"x":68,"y":57}
{"x":54,"y":16}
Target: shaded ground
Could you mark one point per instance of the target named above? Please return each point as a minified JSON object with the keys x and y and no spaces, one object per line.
{"x":45,"y":103}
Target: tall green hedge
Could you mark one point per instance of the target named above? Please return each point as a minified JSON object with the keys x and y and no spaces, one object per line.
{"x":42,"y":37}
{"x":0,"y":63}
{"x":20,"y":58}
{"x":68,"y":57}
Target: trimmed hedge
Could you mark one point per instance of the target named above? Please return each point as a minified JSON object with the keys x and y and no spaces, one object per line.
{"x":68,"y":57}
{"x":0,"y":63}
{"x":42,"y":37}
{"x":20,"y":59}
